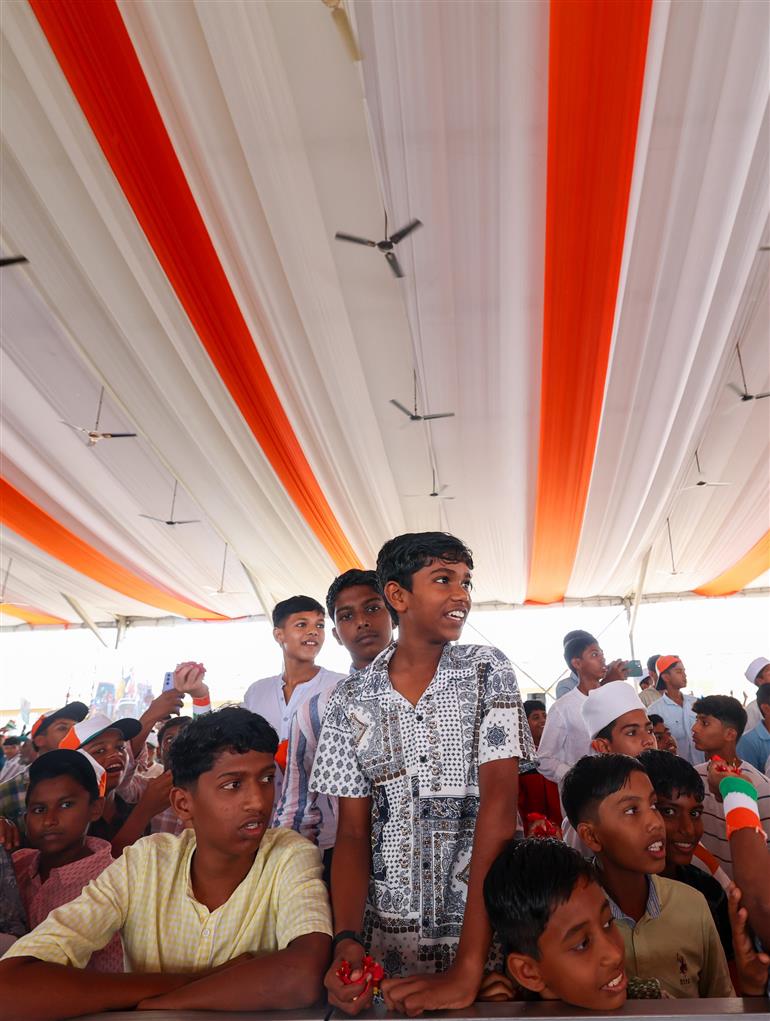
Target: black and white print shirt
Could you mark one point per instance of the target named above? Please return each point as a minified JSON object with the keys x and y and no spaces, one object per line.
{"x":420,"y":766}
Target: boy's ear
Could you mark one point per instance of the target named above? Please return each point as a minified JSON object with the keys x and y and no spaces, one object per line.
{"x":97,"y":807}
{"x":525,"y":971}
{"x":334,"y":632}
{"x":396,"y":596}
{"x":182,"y":803}
{"x":601,"y":746}
{"x":278,"y":635}
{"x":587,"y":833}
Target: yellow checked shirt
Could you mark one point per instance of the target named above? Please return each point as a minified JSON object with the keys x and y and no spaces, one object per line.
{"x":146,"y":895}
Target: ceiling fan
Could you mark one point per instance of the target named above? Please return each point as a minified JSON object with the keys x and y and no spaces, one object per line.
{"x":12,"y":260}
{"x":673,"y":570}
{"x":744,"y":393}
{"x":222,"y":591}
{"x":94,"y":435}
{"x":171,"y":520}
{"x":343,"y":26}
{"x":385,"y":246}
{"x":702,"y":483}
{"x":412,"y":415}
{"x":436,"y":492}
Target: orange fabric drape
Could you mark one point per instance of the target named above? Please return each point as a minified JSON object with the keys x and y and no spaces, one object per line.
{"x":95,"y":53}
{"x":32,"y":523}
{"x":597,"y":51}
{"x":30,"y":616}
{"x":749,"y":567}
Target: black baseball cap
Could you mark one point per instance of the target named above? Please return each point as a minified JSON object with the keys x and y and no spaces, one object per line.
{"x":76,"y":711}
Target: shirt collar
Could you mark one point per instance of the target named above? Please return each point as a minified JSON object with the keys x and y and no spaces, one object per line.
{"x":652,"y":908}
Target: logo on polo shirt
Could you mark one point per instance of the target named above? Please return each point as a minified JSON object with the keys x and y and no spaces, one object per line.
{"x":685,"y":979}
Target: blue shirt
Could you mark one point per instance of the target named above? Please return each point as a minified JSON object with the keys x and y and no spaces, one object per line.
{"x":754,"y":747}
{"x":680,"y":719}
{"x":566,"y":684}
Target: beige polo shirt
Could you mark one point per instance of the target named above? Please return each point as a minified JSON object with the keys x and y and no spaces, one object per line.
{"x":675,"y":941}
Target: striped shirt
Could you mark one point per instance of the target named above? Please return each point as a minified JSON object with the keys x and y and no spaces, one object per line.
{"x":714,"y":829}
{"x":299,"y":808}
{"x":147,"y":896}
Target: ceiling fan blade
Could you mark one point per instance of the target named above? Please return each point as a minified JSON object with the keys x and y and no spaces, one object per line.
{"x":184,"y":521}
{"x":442,"y":414}
{"x":151,"y":517}
{"x":356,"y":240}
{"x":405,"y":231}
{"x":342,"y":23}
{"x":12,"y":260}
{"x":394,"y":264}
{"x":759,"y":397}
{"x":117,"y":436}
{"x":406,"y":411}
{"x":736,"y":389}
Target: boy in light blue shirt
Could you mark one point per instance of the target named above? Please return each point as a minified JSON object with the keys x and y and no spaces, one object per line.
{"x":754,"y":746}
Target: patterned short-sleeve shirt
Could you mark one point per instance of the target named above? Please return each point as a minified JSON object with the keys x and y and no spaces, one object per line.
{"x":420,"y":765}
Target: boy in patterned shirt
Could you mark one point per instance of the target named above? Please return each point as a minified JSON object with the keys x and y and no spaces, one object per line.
{"x":230,"y":915}
{"x":422,"y":750}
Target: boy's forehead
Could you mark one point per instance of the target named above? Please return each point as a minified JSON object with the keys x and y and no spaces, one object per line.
{"x":631,"y":718}
{"x":586,"y":902}
{"x":637,"y":785}
{"x":55,"y":786}
{"x":307,"y":615}
{"x":231,"y":760}
{"x":354,"y":594}
{"x":678,"y":799}
{"x":457,"y":566}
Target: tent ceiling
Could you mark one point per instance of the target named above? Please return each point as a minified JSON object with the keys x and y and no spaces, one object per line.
{"x":283,"y":141}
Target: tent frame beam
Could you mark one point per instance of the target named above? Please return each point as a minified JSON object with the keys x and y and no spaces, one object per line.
{"x":653,"y":597}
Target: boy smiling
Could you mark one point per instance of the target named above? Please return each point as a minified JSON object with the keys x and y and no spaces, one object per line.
{"x":422,"y":751}
{"x":667,"y":928}
{"x":362,"y":625}
{"x":229,"y":916}
{"x":680,"y":792}
{"x":545,"y":902}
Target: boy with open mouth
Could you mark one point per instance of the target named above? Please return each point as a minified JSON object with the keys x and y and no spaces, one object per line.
{"x":667,"y":928}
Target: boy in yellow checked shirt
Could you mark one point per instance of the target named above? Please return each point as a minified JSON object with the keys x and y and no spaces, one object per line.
{"x":230,"y":915}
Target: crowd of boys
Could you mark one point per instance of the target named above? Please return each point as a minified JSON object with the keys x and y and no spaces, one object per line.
{"x":409,"y":831}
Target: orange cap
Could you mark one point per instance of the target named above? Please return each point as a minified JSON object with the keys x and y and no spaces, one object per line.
{"x":665,"y":662}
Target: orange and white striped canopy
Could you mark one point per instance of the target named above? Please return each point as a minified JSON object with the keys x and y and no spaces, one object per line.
{"x":592,"y":176}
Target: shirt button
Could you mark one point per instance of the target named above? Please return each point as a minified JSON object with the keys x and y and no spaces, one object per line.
{"x":418,"y":717}
{"x":423,"y":758}
{"x":206,"y":932}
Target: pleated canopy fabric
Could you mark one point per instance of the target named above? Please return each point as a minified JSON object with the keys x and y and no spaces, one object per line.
{"x":593,"y":183}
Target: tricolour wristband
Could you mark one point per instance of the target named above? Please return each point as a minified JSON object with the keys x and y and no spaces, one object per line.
{"x":201,"y":706}
{"x":739,"y":797}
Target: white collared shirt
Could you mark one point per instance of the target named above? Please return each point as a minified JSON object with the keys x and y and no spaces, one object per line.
{"x":565,"y":737}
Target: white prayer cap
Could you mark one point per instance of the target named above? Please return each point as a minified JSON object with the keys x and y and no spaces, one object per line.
{"x":606,"y":704}
{"x":755,"y":667}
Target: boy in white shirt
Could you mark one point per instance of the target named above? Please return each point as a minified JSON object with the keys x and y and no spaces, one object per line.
{"x":565,"y":737}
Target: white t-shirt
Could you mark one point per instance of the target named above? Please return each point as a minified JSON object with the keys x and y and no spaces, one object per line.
{"x":266,"y":698}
